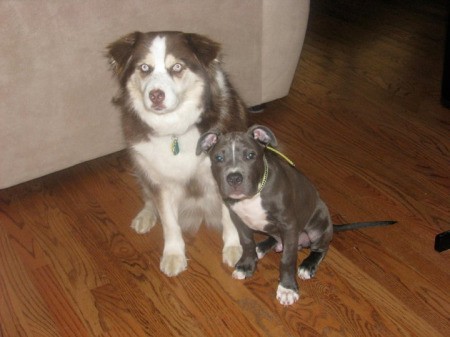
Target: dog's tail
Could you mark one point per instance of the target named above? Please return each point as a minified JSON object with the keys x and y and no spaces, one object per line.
{"x":358,"y":225}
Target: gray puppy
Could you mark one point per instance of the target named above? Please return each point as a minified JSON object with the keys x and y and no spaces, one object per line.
{"x":265,"y":193}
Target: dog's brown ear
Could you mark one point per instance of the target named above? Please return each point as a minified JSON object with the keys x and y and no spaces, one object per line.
{"x":120,"y":52}
{"x":263,"y":135}
{"x":204,"y":48}
{"x":207,"y":141}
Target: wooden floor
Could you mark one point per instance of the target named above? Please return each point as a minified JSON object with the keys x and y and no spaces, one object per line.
{"x":363,"y":121}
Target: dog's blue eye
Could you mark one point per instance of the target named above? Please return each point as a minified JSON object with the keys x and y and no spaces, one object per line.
{"x":250,"y":155}
{"x":218,"y":158}
{"x":145,"y":68}
{"x":177,"y":67}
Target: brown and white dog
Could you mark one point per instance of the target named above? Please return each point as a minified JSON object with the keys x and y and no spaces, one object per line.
{"x":172,"y":90}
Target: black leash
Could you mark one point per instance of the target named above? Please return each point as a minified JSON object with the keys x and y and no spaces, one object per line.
{"x":358,"y":225}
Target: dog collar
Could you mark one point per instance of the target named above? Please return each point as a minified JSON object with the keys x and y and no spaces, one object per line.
{"x":263,"y":181}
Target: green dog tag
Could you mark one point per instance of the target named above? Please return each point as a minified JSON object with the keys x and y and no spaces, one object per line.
{"x":175,"y":146}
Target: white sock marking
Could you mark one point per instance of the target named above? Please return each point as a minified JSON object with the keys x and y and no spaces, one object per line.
{"x":238,"y":275}
{"x":286,"y":296}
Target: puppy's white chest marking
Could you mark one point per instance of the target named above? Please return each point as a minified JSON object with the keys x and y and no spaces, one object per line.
{"x":251,"y":212}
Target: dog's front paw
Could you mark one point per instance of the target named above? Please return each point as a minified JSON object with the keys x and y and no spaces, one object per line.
{"x":241,"y":274}
{"x":286,"y":296}
{"x":245,"y":267}
{"x":231,"y":255}
{"x":172,"y":265}
{"x":238,"y":274}
{"x":144,"y":221}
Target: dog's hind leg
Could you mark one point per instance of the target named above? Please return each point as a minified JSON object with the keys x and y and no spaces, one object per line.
{"x":319,"y":232}
{"x":319,"y":248}
{"x":308,"y":267}
{"x":232,"y":249}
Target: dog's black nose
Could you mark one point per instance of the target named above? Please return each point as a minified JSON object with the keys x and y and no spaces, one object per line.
{"x":235,"y":179}
{"x":157,"y":96}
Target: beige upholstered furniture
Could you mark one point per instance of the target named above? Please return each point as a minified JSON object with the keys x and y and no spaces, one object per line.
{"x":55,"y":85}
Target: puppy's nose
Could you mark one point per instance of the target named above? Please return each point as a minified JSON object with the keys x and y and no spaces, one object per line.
{"x":235,"y":179}
{"x":157,"y":96}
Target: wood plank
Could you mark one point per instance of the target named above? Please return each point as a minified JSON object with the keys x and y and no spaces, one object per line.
{"x":23,"y":311}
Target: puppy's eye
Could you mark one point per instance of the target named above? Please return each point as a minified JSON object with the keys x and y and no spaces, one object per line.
{"x":145,"y":68}
{"x":218,"y":158}
{"x":177,"y":67}
{"x":250,"y":155}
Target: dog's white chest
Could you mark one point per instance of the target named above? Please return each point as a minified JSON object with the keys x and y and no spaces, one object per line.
{"x":158,"y":161}
{"x":251,"y":212}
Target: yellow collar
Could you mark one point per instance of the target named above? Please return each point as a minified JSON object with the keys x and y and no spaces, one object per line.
{"x":263,"y":181}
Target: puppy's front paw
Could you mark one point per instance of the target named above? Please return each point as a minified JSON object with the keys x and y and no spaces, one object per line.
{"x":238,"y":274}
{"x":231,"y":255}
{"x":172,"y":265}
{"x":245,"y":267}
{"x":144,"y":221}
{"x":286,"y":296}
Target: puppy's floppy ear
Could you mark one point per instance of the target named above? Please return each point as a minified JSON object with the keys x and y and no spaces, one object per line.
{"x":204,"y":48}
{"x":207,"y":141}
{"x":263,"y":135}
{"x":119,"y":53}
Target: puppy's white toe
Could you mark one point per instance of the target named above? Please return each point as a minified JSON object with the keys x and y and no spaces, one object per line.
{"x":238,"y":275}
{"x":304,"y":274}
{"x":260,"y":253}
{"x":231,"y":255}
{"x":172,"y":265}
{"x":286,"y":296}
